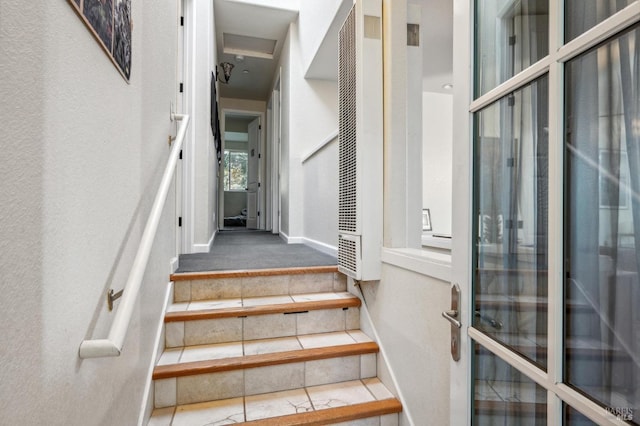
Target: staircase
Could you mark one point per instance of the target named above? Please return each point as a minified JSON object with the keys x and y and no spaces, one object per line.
{"x":268,"y":347}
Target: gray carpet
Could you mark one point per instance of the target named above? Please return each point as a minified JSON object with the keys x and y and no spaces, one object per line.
{"x":234,"y":250}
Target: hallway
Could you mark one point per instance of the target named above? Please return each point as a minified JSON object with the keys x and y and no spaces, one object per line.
{"x":238,"y":250}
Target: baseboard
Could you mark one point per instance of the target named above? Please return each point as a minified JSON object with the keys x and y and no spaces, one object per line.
{"x":174,"y":264}
{"x":324,"y":248}
{"x":148,"y":397}
{"x":204,"y":248}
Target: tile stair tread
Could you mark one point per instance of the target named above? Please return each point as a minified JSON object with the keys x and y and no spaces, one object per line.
{"x":260,"y":346}
{"x":348,"y":401}
{"x":316,"y":301}
{"x":262,"y":360}
{"x":191,"y":276}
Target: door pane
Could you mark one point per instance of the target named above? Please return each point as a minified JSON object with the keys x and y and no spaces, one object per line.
{"x":582,"y":15}
{"x":503,"y":395}
{"x":573,"y":417}
{"x":510,"y":207}
{"x":510,"y":36}
{"x":602,"y":242}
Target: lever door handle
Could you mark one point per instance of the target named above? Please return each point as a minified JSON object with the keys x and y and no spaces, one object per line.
{"x":451,"y":317}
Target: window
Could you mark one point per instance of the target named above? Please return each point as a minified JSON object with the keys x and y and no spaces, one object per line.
{"x":235,"y":170}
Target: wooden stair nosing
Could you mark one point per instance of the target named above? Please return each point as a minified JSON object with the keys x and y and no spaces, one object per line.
{"x":281,"y":308}
{"x":262,"y":360}
{"x":334,"y":415}
{"x":243,"y":273}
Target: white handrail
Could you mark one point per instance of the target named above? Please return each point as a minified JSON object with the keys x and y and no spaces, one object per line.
{"x":112,"y":346}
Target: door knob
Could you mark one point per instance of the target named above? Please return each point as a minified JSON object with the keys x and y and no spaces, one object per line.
{"x":452,"y":316}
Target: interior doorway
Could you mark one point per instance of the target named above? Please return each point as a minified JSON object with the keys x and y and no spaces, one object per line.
{"x":242,"y":195}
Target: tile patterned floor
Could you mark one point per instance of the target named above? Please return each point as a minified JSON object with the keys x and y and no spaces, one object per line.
{"x":275,"y":404}
{"x":262,"y":346}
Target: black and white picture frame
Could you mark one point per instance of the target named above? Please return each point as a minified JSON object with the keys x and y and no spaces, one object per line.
{"x":110,"y":23}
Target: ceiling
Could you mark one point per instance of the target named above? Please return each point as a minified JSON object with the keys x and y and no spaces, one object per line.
{"x":250,"y":36}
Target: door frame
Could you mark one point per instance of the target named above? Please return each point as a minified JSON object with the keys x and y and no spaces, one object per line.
{"x":274,"y":130}
{"x":263,"y":164}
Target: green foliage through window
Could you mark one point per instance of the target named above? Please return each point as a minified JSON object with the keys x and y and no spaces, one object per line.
{"x":235,"y":170}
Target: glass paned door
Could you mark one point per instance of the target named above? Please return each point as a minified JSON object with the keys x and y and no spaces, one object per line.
{"x":510,"y":279}
{"x":555,"y":211}
{"x":602,"y":242}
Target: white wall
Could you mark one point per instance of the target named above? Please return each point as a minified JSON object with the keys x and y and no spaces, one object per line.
{"x":200,"y":151}
{"x":437,"y":128}
{"x":309,"y":116}
{"x":321,"y":198}
{"x":315,"y":18}
{"x":404,"y":308}
{"x":83,"y":155}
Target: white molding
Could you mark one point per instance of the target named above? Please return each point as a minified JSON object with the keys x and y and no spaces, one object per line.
{"x":435,"y":265}
{"x":436,"y":242}
{"x":204,"y":248}
{"x":174,"y":264}
{"x":332,"y":137}
{"x":322,"y":247}
{"x":291,"y":240}
{"x":146,"y":406}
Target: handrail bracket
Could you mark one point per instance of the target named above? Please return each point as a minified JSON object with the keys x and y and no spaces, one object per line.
{"x":112,"y":297}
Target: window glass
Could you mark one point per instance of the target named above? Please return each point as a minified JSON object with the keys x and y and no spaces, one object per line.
{"x":602,"y":209}
{"x":510,"y":36}
{"x":503,"y":395}
{"x":235,"y":170}
{"x":582,"y":15}
{"x":510,"y":211}
{"x":573,"y":417}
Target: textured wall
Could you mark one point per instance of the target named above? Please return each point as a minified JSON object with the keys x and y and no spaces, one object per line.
{"x":84,"y":152}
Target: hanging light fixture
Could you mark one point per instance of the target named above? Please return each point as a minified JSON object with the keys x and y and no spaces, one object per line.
{"x":226,"y":71}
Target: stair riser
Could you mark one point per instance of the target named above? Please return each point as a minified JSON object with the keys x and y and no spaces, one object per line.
{"x":231,"y":288}
{"x":187,"y":333}
{"x":253,"y":381}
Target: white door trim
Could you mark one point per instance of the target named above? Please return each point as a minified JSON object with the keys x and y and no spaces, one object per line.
{"x":461,"y":243}
{"x":262,"y":164}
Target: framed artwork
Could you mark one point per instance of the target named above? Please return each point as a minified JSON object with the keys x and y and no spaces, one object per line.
{"x":110,"y":23}
{"x":426,"y":220}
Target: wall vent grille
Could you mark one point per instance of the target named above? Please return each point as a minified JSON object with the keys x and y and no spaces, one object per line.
{"x":360,"y":147}
{"x":348,"y":255}
{"x":348,"y":203}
